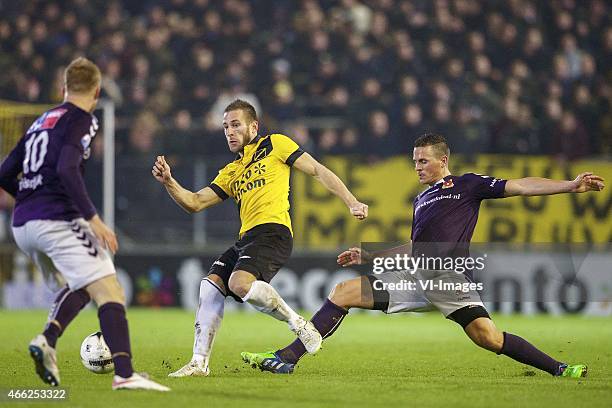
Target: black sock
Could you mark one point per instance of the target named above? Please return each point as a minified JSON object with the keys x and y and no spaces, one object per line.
{"x":66,"y":307}
{"x":326,"y":321}
{"x":522,"y":351}
{"x":114,"y":327}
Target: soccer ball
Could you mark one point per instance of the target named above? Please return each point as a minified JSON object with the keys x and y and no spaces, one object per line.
{"x":95,"y":354}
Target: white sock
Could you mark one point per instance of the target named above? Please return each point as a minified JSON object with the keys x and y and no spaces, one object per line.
{"x":208,"y":319}
{"x":263,"y":297}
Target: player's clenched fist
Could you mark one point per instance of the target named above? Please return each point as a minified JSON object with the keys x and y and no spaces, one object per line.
{"x":359,"y":211}
{"x":161,"y":170}
{"x":353,"y":256}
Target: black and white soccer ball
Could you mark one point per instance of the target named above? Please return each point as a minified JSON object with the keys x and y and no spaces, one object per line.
{"x":95,"y":354}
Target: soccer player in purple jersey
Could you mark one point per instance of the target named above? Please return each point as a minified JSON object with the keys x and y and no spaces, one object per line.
{"x":444,"y":213}
{"x":56,"y":225}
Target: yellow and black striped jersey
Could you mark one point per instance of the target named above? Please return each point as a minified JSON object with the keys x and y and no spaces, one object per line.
{"x":259,"y":181}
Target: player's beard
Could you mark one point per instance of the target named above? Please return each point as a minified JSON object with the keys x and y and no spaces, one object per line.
{"x":241,"y":141}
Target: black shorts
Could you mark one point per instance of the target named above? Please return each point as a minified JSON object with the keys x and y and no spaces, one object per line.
{"x":261,"y":251}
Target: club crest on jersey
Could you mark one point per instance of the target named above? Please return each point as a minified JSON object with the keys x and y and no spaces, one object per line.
{"x":448,"y":184}
{"x":260,"y":154}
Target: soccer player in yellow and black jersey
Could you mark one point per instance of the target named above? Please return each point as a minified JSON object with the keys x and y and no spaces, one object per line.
{"x":258,"y":180}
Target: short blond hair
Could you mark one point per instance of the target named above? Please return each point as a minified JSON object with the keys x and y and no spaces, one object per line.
{"x":244,"y":106}
{"x":436,"y":141}
{"x":82,"y":76}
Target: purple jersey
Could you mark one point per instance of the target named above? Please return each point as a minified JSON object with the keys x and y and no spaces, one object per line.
{"x":50,"y":158}
{"x":447,"y":211}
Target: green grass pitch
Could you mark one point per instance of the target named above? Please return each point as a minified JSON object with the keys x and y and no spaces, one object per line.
{"x":372,"y":360}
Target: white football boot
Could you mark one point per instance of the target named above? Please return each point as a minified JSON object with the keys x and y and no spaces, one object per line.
{"x":308,"y":335}
{"x":45,"y":360}
{"x":191,"y":369}
{"x":137,"y":382}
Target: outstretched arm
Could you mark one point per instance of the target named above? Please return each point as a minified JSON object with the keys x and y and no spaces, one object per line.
{"x":535,"y":186}
{"x":325,"y":176}
{"x":188,"y":200}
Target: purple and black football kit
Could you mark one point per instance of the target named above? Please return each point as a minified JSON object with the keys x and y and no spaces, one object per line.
{"x":49,"y":224}
{"x":50,"y":155}
{"x":444,"y":219}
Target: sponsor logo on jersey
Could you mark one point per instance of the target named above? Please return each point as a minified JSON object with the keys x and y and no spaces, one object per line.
{"x":259,"y":168}
{"x":48,"y":120}
{"x":30,"y":183}
{"x":85,"y":142}
{"x":88,"y":137}
{"x":245,"y":184}
{"x":448,"y":184}
{"x":437,"y":198}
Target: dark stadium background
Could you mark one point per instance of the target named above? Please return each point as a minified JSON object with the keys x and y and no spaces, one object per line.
{"x":519,"y":87}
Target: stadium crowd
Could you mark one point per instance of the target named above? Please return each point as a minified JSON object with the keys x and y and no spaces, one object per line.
{"x":516,"y":76}
{"x":340,"y":77}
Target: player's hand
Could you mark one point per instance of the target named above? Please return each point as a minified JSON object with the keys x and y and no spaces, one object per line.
{"x":359,"y":210}
{"x":353,"y":256}
{"x":161,"y":170}
{"x":104,"y":234}
{"x":587,"y":182}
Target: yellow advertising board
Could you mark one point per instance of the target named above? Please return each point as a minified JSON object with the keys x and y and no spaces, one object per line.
{"x":322,"y":222}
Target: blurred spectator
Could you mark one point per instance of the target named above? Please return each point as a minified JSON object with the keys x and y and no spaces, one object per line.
{"x":349,"y":141}
{"x":338,"y":102}
{"x":180,"y":138}
{"x":470,"y":135}
{"x":586,"y":108}
{"x":380,"y":141}
{"x":283,"y":107}
{"x":329,"y":142}
{"x":534,"y":51}
{"x":214,"y":118}
{"x":442,"y":119}
{"x":359,"y":77}
{"x":301,"y":135}
{"x":346,"y":59}
{"x":570,"y":139}
{"x":370,"y":99}
{"x":358,"y":14}
{"x":413,"y":125}
{"x":142,"y":136}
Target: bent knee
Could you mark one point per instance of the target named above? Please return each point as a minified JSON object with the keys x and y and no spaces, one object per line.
{"x":120,"y":297}
{"x":239,"y":287}
{"x":107,"y":290}
{"x":343,"y":295}
{"x":110,"y":297}
{"x":338,"y":291}
{"x":217,"y":280}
